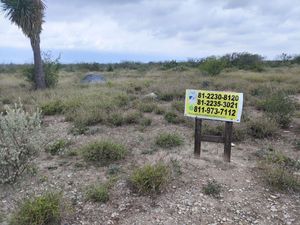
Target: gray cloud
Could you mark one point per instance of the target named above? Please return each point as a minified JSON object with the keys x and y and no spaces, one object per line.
{"x":190,"y":28}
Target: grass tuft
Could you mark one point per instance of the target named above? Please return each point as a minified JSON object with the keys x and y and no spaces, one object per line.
{"x":150,"y":179}
{"x":44,"y":210}
{"x":168,"y":140}
{"x":97,"y":193}
{"x":103,"y":152}
{"x":212,"y":188}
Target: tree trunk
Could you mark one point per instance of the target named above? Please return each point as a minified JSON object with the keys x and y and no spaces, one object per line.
{"x":39,"y":75}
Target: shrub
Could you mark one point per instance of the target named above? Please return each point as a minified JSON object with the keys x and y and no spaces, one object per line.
{"x":278,"y":171}
{"x":159,"y":110}
{"x":245,"y":61}
{"x":212,"y":66}
{"x":212,"y":188}
{"x":97,"y":193}
{"x":44,"y":210}
{"x":103,"y":152}
{"x":146,"y":107}
{"x":57,"y":147}
{"x":145,"y":122}
{"x":150,"y":179}
{"x":52,"y":107}
{"x":281,"y":178}
{"x":51,"y":68}
{"x":172,"y":117}
{"x":279,"y":107}
{"x":132,"y":118}
{"x":168,"y":140}
{"x":115,"y":119}
{"x":18,"y":141}
{"x":262,"y":128}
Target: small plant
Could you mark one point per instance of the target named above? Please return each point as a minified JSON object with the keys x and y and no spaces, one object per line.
{"x":132,"y":118}
{"x":115,"y":119}
{"x":113,"y":169}
{"x":57,"y":147}
{"x":279,"y":107}
{"x":278,"y":171}
{"x":212,"y":188}
{"x":168,"y":140}
{"x":159,"y":110}
{"x":281,"y":178}
{"x":103,"y":152}
{"x":97,"y":193}
{"x":44,"y":210}
{"x":176,"y":168}
{"x":172,"y":117}
{"x":19,"y":138}
{"x":262,"y":128}
{"x":147,"y":107}
{"x":78,"y":129}
{"x":145,"y":122}
{"x":52,"y":107}
{"x":150,"y":179}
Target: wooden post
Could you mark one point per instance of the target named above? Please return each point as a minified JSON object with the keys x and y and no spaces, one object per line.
{"x":227,"y":141}
{"x":198,"y":126}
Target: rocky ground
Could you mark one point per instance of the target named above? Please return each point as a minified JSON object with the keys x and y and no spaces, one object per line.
{"x":245,"y":199}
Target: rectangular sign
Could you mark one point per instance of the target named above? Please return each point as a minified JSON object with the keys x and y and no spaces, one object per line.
{"x":214,"y":105}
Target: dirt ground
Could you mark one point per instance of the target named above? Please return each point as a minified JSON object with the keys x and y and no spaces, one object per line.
{"x":244,"y":200}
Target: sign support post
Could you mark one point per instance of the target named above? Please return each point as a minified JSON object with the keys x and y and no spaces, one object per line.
{"x":227,"y":141}
{"x":198,"y":127}
{"x":214,"y":105}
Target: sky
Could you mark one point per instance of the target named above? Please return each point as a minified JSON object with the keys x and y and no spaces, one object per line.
{"x":156,"y":30}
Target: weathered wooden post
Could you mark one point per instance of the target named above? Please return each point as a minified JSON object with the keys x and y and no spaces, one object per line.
{"x":198,"y":127}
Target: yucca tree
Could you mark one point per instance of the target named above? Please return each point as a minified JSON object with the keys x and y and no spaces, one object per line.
{"x":28,"y":15}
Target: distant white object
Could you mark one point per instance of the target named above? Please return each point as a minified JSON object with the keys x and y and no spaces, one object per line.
{"x":152,"y":95}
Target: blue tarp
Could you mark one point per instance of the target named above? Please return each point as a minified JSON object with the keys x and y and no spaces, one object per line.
{"x":93,"y":79}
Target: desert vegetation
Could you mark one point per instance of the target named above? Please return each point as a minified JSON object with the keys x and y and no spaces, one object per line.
{"x":77,"y":153}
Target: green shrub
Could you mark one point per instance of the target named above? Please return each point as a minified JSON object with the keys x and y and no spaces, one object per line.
{"x":103,"y":152}
{"x":44,"y":210}
{"x":159,"y":110}
{"x":20,"y":139}
{"x":78,"y":129}
{"x":147,"y":107}
{"x":212,"y":66}
{"x":115,"y":119}
{"x":97,"y":193}
{"x":57,"y":147}
{"x":145,"y":122}
{"x":174,"y":118}
{"x":150,"y":179}
{"x":245,"y":61}
{"x":262,"y":128}
{"x":52,"y":107}
{"x":281,"y":178}
{"x":168,"y":140}
{"x":280,"y":107}
{"x":82,"y":117}
{"x":51,"y":69}
{"x":212,"y":188}
{"x":132,"y":118}
{"x":278,"y":171}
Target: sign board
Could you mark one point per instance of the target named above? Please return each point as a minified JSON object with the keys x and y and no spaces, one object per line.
{"x":214,"y":105}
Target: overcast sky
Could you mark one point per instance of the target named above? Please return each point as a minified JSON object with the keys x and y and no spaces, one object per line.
{"x":151,"y":30}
